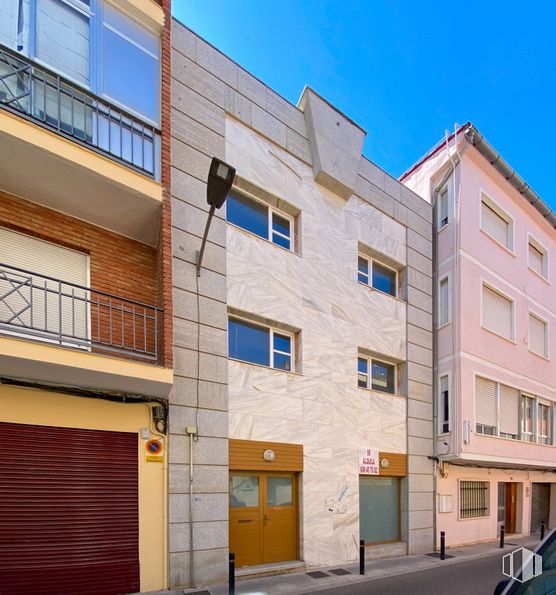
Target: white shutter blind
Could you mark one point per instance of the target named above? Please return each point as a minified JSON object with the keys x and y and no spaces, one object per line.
{"x":485,"y":401}
{"x":443,"y":208}
{"x":497,"y":313}
{"x":444,"y":301}
{"x":537,"y":335}
{"x":41,"y":306}
{"x":494,"y":225}
{"x":509,"y":410}
{"x":536,"y":260}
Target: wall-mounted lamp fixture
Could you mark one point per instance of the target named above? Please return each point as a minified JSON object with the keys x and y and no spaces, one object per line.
{"x":220,"y":180}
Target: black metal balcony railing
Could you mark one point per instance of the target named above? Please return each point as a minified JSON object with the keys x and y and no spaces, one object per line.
{"x":58,"y":104}
{"x":51,"y":310}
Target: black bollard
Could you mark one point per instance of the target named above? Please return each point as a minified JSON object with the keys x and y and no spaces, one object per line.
{"x":362,"y":556}
{"x":443,"y":545}
{"x":502,"y":537}
{"x":232,"y":574}
{"x":543,"y":528}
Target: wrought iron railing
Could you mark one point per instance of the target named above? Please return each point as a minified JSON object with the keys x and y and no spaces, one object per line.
{"x":47,"y":309}
{"x":56,"y":103}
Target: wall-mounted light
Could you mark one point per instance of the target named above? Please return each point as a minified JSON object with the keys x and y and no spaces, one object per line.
{"x":220,"y":180}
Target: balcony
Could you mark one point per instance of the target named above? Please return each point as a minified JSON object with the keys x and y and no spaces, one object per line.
{"x":89,"y":158}
{"x":47,"y":309}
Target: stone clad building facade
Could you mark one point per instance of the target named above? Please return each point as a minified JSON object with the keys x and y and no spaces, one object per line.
{"x":303,"y":352}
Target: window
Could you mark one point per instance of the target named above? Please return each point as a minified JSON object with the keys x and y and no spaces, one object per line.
{"x":382,"y":376}
{"x":377,"y":275}
{"x":443,"y":302}
{"x":260,"y":219}
{"x":258,"y":344}
{"x":497,"y":313}
{"x":538,"y":336}
{"x":443,"y":208}
{"x":496,"y":223}
{"x":92,"y":43}
{"x":538,"y":258}
{"x":473,"y":499}
{"x":444,"y":405}
{"x":379,"y":509}
{"x":485,"y":406}
{"x":509,"y":411}
{"x":527,"y":418}
{"x":545,"y":423}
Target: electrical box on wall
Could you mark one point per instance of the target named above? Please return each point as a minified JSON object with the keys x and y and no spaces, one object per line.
{"x":445,"y":503}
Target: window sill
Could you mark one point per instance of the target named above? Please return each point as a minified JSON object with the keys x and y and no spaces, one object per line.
{"x":516,"y":440}
{"x":374,"y":290}
{"x":444,"y":325}
{"x":540,"y":355}
{"x":537,"y":274}
{"x":493,"y":239}
{"x":240,"y":361}
{"x":267,"y":241}
{"x":381,"y":392}
{"x":512,"y":341}
{"x":441,"y":229}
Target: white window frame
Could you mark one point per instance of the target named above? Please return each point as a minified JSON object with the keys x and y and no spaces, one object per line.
{"x":533,"y":432}
{"x":370,"y":265}
{"x":447,"y":278}
{"x":503,"y":214}
{"x":369,"y":374}
{"x":446,"y":188}
{"x":550,"y":422}
{"x":546,"y":354}
{"x":270,"y":212}
{"x":505,"y":296}
{"x":532,"y":240}
{"x":272,"y":331}
{"x":441,"y":431}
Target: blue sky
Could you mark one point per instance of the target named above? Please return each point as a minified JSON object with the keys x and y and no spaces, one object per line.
{"x":405,"y":71}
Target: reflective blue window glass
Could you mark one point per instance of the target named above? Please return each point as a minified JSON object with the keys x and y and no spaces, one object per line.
{"x":282,"y":352}
{"x":363,"y":270}
{"x":248,"y":342}
{"x":363,"y":372}
{"x":248,"y":214}
{"x":281,"y":233}
{"x":383,"y":377}
{"x":384,"y":279}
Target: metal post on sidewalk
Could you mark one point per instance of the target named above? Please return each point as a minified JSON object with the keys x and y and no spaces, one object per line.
{"x":232,"y":574}
{"x":502,"y":537}
{"x":543,"y":529}
{"x":362,"y":556}
{"x":443,"y":545}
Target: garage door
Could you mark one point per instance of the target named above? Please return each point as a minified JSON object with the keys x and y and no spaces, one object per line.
{"x":68,"y":511}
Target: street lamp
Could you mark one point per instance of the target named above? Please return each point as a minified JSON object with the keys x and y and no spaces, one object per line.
{"x":220,"y":180}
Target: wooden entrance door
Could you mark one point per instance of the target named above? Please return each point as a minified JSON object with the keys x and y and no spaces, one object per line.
{"x":510,"y":507}
{"x":263,"y":517}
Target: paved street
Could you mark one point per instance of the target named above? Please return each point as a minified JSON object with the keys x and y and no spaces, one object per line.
{"x":474,"y":577}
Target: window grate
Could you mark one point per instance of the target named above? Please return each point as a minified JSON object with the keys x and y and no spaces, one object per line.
{"x":473,"y":499}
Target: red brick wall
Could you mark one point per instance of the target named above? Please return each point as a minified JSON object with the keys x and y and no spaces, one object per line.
{"x":119,"y":265}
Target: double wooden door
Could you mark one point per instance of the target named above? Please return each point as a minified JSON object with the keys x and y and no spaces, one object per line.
{"x":263,"y":517}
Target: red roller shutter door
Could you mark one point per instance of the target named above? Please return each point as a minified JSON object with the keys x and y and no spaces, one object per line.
{"x":68,"y":511}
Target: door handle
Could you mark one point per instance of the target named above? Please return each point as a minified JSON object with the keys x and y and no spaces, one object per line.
{"x":265,"y":519}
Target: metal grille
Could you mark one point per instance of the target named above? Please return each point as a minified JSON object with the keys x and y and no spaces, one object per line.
{"x":55,"y":311}
{"x":60,"y":105}
{"x":473,"y":499}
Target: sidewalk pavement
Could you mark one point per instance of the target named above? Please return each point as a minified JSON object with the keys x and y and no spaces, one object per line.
{"x":301,"y":582}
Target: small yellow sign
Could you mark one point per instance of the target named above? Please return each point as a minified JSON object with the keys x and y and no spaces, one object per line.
{"x":154,"y":458}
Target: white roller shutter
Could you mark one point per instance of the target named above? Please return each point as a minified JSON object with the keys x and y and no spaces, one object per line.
{"x":485,"y":401}
{"x":444,"y":306}
{"x":495,"y":225}
{"x":537,"y":335}
{"x":509,"y":410}
{"x":30,"y":301}
{"x":536,"y":259}
{"x":497,"y":313}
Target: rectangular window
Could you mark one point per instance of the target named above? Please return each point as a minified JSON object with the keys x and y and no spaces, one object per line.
{"x":259,"y":219}
{"x":473,"y":499}
{"x":444,"y":304}
{"x":444,"y":405}
{"x":497,"y":313}
{"x":443,"y":209}
{"x":496,"y":223}
{"x":538,"y":258}
{"x":258,"y":344}
{"x":379,"y":505}
{"x":509,"y":411}
{"x":538,"y":336}
{"x":382,"y":375}
{"x":485,"y":406}
{"x":527,"y":418}
{"x":544,"y":424}
{"x":377,"y":275}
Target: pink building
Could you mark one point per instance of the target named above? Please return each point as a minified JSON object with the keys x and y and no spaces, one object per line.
{"x":495,"y":342}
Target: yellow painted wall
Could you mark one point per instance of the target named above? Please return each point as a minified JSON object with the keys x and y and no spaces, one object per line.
{"x":38,"y":407}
